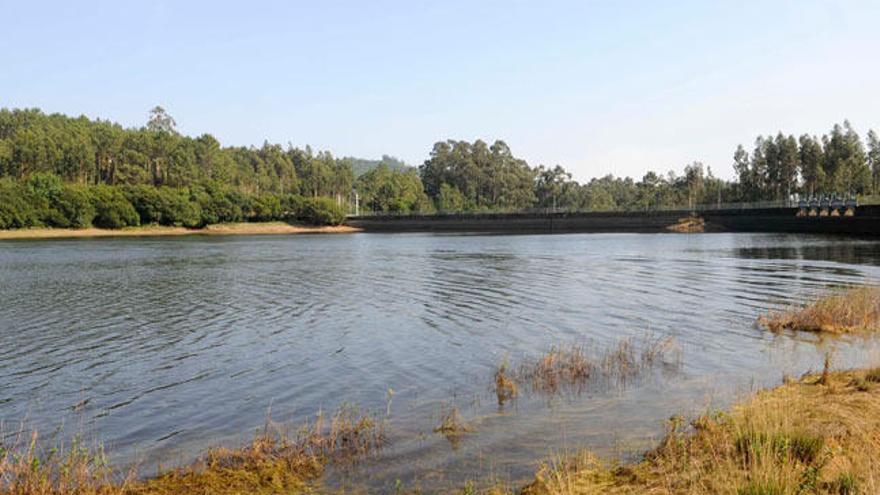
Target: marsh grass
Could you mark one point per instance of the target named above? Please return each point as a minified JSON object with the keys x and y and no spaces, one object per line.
{"x":452,"y":423}
{"x":873,"y":375}
{"x":28,"y":466}
{"x":799,"y":438}
{"x":574,"y":367}
{"x":278,"y":459}
{"x":505,"y":387}
{"x":848,"y":311}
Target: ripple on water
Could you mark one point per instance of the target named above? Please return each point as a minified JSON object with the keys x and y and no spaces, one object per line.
{"x":169,"y":345}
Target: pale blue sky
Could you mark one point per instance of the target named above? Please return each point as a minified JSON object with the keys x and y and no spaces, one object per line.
{"x":597,"y":87}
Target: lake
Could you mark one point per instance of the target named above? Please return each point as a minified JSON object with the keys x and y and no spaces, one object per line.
{"x":162,"y":347}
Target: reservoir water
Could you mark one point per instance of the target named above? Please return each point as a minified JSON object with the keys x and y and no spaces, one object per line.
{"x":162,"y":347}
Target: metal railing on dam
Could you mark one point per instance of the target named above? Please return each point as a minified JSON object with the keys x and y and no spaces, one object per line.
{"x":766,"y":216}
{"x":552,"y":211}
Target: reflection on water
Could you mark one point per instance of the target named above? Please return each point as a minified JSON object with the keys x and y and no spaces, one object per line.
{"x":174,"y":344}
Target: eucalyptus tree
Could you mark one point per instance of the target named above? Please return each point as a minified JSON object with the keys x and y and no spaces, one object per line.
{"x":873,"y":157}
{"x":811,"y":158}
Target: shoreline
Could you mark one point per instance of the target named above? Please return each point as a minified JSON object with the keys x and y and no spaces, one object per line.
{"x":242,"y":228}
{"x":819,"y":427}
{"x":817,"y":431}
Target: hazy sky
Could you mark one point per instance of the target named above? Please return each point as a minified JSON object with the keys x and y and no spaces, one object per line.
{"x":598,"y":87}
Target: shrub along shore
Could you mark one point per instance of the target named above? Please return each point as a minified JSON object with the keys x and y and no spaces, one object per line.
{"x":44,"y":201}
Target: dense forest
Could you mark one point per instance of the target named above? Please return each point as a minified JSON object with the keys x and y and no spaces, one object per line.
{"x":60,"y":171}
{"x":360,"y":166}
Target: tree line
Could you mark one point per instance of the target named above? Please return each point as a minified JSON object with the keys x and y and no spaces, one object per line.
{"x":59,"y":171}
{"x":837,"y":163}
{"x":43,"y":200}
{"x":62,"y":171}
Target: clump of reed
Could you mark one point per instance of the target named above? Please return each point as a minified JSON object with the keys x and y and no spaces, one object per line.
{"x":348,"y":434}
{"x":452,"y":424}
{"x":574,"y":366}
{"x":74,"y":466}
{"x":505,"y":387}
{"x":274,"y":461}
{"x":563,"y":365}
{"x":799,"y":438}
{"x":852,"y":310}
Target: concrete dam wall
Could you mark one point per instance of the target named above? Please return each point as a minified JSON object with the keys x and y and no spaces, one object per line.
{"x":865,"y":221}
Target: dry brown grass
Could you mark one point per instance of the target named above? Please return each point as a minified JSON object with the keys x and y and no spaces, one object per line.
{"x":560,"y":366}
{"x":800,"y":438}
{"x":68,"y":468}
{"x":276,"y":461}
{"x":505,"y":387}
{"x":688,"y":225}
{"x":574,"y":366}
{"x":452,"y":423}
{"x":853,"y":310}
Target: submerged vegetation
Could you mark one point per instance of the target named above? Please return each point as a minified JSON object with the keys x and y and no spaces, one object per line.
{"x":452,"y":425}
{"x":505,"y":386}
{"x":800,"y":438}
{"x":849,"y":311}
{"x":574,"y":366}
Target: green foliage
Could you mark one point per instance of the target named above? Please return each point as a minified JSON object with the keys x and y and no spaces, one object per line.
{"x":267,"y":207}
{"x":793,"y":446}
{"x":320,"y":211}
{"x":450,"y":199}
{"x":112,"y":209}
{"x":386,"y":189}
{"x":835,"y":164}
{"x":172,"y":179}
{"x":75,"y":207}
{"x":844,"y":484}
{"x":488,"y":177}
{"x":763,"y":487}
{"x":44,"y":186}
{"x":220,"y":204}
{"x":16,"y":211}
{"x":361,"y":166}
{"x":98,"y":152}
{"x":164,"y":206}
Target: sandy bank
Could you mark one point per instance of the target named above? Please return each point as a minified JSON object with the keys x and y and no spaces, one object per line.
{"x":264,"y":228}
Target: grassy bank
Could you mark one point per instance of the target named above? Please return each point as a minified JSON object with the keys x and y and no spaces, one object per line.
{"x":817,"y":435}
{"x":241,"y":228}
{"x":278,"y":460}
{"x":848,"y":311}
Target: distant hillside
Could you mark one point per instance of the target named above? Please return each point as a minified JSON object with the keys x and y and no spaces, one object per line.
{"x":360,"y":166}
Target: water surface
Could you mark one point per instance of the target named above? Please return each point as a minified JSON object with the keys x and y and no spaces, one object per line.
{"x":170,"y":345}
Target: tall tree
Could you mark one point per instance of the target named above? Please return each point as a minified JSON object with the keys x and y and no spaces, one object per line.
{"x":160,"y":121}
{"x":788,"y":165}
{"x":846,"y":167}
{"x":874,"y":161}
{"x":811,"y":159}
